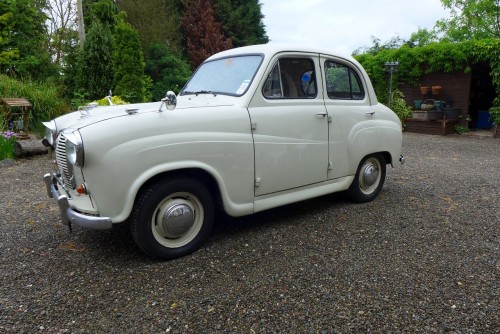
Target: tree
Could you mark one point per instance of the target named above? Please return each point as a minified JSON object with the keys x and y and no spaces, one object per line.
{"x":23,"y":39}
{"x":157,"y":21}
{"x":96,"y":75}
{"x":128,"y":64}
{"x":166,"y":69}
{"x":203,"y":33}
{"x":471,"y":19}
{"x":242,"y":21}
{"x":61,"y":24}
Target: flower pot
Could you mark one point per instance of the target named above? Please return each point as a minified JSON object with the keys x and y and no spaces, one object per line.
{"x":424,"y":90}
{"x":434,"y":115}
{"x":451,"y":113}
{"x":439,"y":105}
{"x":436,"y":90}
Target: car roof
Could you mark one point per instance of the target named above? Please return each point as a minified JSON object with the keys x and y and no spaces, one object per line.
{"x":271,"y":49}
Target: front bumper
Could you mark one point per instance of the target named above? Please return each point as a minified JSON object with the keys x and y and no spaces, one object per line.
{"x":68,"y":215}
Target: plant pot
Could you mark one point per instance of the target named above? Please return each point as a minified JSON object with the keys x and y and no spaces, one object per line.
{"x":424,"y":90}
{"x":436,"y":90}
{"x":434,"y":115}
{"x":439,"y":105}
{"x":451,"y":113}
{"x":418,"y":104}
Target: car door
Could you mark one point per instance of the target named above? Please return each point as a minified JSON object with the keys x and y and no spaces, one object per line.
{"x":290,"y":125}
{"x":348,"y":105}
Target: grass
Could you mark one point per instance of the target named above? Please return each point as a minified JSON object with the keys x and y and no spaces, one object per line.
{"x":44,"y":97}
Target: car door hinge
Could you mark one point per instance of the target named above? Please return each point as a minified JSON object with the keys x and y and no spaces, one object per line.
{"x":330,"y":165}
{"x":254,"y":126}
{"x":257,"y":182}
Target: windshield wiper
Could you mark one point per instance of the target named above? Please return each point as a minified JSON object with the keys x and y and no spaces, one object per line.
{"x":199,"y":92}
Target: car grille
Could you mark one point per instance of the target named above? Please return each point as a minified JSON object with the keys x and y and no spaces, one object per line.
{"x":65,"y":168}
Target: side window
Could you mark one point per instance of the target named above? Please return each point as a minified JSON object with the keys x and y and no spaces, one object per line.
{"x":291,"y":78}
{"x":342,"y":82}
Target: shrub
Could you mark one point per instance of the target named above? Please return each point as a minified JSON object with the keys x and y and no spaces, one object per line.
{"x":45,"y":100}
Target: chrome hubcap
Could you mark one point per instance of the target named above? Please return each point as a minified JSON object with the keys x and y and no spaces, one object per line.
{"x":177,"y":220}
{"x":369,"y":177}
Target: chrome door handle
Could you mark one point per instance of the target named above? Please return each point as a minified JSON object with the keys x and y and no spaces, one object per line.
{"x":323,"y":114}
{"x":371,"y":113}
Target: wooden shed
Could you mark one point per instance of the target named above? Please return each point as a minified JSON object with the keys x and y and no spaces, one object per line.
{"x":15,"y":110}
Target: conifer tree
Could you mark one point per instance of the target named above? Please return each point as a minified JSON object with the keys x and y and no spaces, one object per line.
{"x":202,"y":32}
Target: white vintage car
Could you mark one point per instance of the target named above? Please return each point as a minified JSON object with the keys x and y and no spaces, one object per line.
{"x":254,"y":128}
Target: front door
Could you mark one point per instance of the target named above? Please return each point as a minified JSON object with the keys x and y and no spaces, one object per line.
{"x":290,"y":126}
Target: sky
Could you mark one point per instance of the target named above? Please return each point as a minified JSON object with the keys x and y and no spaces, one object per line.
{"x":346,"y":25}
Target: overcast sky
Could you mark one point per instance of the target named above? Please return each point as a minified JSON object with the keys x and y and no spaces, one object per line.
{"x":345,"y":25}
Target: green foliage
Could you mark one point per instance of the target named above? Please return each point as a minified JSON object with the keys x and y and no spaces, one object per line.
{"x":167,"y":71}
{"x":7,"y":141}
{"x":495,"y":111}
{"x":115,"y":99}
{"x":399,"y":106}
{"x":96,"y":75}
{"x":433,"y":57}
{"x":242,"y":21}
{"x":471,"y":19}
{"x":461,"y":129}
{"x":157,"y":21}
{"x":23,"y":40}
{"x":129,"y":64}
{"x":45,"y":99}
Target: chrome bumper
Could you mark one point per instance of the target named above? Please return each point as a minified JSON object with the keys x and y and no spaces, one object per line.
{"x":68,"y":215}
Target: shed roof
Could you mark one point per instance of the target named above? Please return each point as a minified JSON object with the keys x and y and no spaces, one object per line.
{"x":16,"y":102}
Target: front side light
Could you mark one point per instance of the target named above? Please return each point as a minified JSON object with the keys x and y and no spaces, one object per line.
{"x":50,"y":132}
{"x":74,"y":148}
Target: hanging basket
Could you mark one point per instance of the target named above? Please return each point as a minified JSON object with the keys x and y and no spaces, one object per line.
{"x":427,"y":105}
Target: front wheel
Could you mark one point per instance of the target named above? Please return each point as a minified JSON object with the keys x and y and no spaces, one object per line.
{"x":172,"y":218}
{"x":369,"y":179}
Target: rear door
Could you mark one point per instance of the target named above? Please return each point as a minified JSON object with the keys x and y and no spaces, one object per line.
{"x":347,"y":102}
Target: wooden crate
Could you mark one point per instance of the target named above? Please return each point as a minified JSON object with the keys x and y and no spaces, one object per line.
{"x":441,"y":127}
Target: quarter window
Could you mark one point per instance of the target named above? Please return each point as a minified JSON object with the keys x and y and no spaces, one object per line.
{"x":291,"y":78}
{"x":342,"y":82}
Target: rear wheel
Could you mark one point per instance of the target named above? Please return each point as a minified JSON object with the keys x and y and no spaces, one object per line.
{"x":369,"y":179}
{"x":172,"y":218}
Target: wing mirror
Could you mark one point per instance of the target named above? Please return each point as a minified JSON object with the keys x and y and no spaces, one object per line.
{"x":170,"y":100}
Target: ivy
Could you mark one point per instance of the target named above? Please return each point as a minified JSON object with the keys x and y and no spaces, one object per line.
{"x":434,"y":57}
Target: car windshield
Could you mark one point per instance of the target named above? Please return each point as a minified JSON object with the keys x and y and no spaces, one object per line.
{"x":229,"y":76}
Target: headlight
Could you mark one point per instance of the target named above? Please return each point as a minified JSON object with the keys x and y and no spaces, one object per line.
{"x":74,"y":148}
{"x":50,"y":132}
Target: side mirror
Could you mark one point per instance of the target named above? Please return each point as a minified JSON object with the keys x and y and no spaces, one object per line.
{"x":170,"y":101}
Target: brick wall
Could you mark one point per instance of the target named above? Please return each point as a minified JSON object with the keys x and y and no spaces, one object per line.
{"x":455,"y":86}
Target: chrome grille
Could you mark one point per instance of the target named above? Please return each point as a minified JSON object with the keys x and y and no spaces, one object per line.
{"x":65,"y":168}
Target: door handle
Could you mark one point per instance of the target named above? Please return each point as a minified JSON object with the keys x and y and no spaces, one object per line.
{"x":323,"y":114}
{"x":371,"y":113}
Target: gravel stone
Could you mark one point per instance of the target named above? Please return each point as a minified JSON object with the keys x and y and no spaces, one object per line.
{"x":421,"y":258}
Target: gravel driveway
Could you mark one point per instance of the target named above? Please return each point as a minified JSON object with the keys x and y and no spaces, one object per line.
{"x":423,"y":257}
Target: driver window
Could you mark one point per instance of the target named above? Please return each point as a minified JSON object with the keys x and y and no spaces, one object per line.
{"x":291,"y":78}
